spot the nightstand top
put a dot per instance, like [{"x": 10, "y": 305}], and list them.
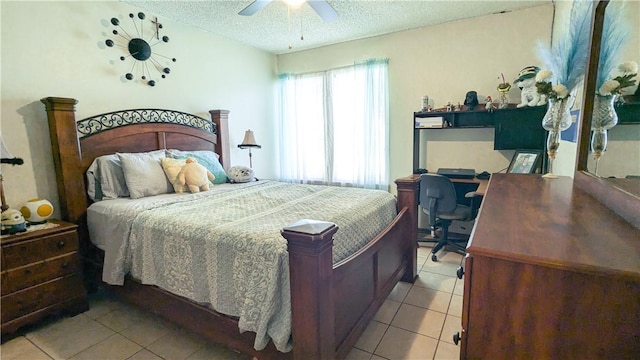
[{"x": 52, "y": 226}]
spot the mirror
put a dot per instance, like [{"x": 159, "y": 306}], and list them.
[
  {"x": 623, "y": 139},
  {"x": 620, "y": 195}
]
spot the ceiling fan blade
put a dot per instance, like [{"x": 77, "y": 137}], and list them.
[
  {"x": 254, "y": 7},
  {"x": 324, "y": 9}
]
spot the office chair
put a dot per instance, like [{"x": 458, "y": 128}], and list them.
[{"x": 439, "y": 201}]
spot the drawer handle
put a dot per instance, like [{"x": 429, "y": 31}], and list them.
[
  {"x": 60, "y": 244},
  {"x": 27, "y": 272},
  {"x": 65, "y": 265},
  {"x": 460, "y": 272},
  {"x": 456, "y": 337}
]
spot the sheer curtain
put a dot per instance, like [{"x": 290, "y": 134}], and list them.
[{"x": 334, "y": 126}]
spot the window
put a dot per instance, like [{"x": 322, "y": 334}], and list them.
[{"x": 334, "y": 126}]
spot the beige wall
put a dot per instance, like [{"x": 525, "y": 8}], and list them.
[
  {"x": 443, "y": 61},
  {"x": 57, "y": 49},
  {"x": 64, "y": 56}
]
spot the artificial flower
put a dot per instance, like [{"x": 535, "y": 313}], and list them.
[
  {"x": 544, "y": 76},
  {"x": 544, "y": 86},
  {"x": 614, "y": 86},
  {"x": 628, "y": 67},
  {"x": 565, "y": 61},
  {"x": 560, "y": 90}
]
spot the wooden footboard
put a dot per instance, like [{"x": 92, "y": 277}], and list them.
[{"x": 331, "y": 304}]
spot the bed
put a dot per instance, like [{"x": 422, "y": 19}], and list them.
[{"x": 332, "y": 295}]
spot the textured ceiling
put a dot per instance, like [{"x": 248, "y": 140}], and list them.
[{"x": 271, "y": 29}]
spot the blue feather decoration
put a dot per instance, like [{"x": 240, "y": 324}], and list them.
[
  {"x": 614, "y": 35},
  {"x": 567, "y": 58}
]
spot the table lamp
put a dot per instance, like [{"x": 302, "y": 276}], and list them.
[
  {"x": 6, "y": 158},
  {"x": 248, "y": 143}
]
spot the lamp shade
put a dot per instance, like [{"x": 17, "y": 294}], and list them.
[{"x": 249, "y": 140}]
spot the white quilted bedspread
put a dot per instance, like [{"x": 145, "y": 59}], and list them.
[{"x": 223, "y": 247}]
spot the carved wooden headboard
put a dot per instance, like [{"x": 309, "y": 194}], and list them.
[{"x": 75, "y": 144}]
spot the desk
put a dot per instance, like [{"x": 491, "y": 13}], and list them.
[{"x": 482, "y": 184}]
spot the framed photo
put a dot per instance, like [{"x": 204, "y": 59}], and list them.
[{"x": 524, "y": 162}]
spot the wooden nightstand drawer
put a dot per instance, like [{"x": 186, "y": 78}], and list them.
[
  {"x": 36, "y": 273},
  {"x": 26, "y": 301},
  {"x": 38, "y": 249}
]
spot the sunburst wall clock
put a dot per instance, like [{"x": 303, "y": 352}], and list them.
[{"x": 139, "y": 45}]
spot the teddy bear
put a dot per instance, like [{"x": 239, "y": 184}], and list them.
[
  {"x": 195, "y": 176},
  {"x": 526, "y": 81}
]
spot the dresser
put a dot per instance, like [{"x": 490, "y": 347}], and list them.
[
  {"x": 550, "y": 273},
  {"x": 41, "y": 275}
]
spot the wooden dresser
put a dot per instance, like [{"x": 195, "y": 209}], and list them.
[
  {"x": 41, "y": 275},
  {"x": 550, "y": 273}
]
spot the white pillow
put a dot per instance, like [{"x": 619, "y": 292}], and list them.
[
  {"x": 144, "y": 175},
  {"x": 105, "y": 177}
]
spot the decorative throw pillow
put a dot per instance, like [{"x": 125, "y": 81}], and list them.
[
  {"x": 208, "y": 159},
  {"x": 172, "y": 168},
  {"x": 241, "y": 174},
  {"x": 144, "y": 175}
]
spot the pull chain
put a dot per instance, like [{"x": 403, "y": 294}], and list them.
[{"x": 289, "y": 21}]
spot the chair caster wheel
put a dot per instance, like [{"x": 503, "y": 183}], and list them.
[{"x": 434, "y": 257}]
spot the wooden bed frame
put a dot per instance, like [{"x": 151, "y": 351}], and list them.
[{"x": 331, "y": 304}]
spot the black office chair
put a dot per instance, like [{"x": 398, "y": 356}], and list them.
[{"x": 439, "y": 201}]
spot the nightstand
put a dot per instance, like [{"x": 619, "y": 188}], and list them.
[{"x": 41, "y": 275}]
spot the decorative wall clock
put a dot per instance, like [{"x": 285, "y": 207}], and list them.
[{"x": 146, "y": 62}]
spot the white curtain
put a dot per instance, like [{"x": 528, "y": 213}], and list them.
[{"x": 334, "y": 126}]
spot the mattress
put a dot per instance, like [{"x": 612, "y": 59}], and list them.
[{"x": 223, "y": 247}]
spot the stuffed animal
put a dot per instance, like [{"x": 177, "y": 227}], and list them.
[
  {"x": 240, "y": 174},
  {"x": 195, "y": 176},
  {"x": 526, "y": 81},
  {"x": 13, "y": 222}
]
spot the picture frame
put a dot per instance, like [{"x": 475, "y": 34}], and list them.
[{"x": 524, "y": 162}]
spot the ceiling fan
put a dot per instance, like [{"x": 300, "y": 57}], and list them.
[{"x": 322, "y": 7}]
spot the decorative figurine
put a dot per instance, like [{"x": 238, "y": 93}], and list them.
[
  {"x": 503, "y": 89},
  {"x": 13, "y": 222},
  {"x": 425, "y": 103},
  {"x": 449, "y": 107},
  {"x": 457, "y": 107},
  {"x": 489, "y": 105},
  {"x": 526, "y": 81},
  {"x": 471, "y": 99}
]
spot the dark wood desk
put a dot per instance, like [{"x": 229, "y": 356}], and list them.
[
  {"x": 482, "y": 184},
  {"x": 550, "y": 273}
]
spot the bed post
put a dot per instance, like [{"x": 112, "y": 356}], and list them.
[
  {"x": 223, "y": 148},
  {"x": 408, "y": 195},
  {"x": 312, "y": 306},
  {"x": 66, "y": 157}
]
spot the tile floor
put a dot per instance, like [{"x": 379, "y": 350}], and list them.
[{"x": 417, "y": 321}]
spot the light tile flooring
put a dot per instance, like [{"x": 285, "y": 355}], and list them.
[{"x": 417, "y": 321}]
